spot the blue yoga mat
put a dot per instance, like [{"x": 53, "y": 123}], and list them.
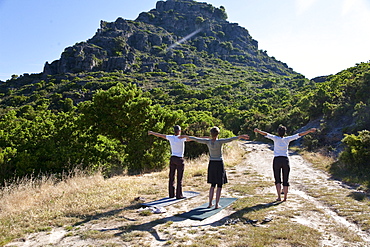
[
  {"x": 202, "y": 212},
  {"x": 168, "y": 201}
]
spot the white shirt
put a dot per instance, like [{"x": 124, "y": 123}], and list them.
[
  {"x": 281, "y": 143},
  {"x": 177, "y": 145}
]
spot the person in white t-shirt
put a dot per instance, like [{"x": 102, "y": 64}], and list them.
[
  {"x": 176, "y": 161},
  {"x": 281, "y": 160}
]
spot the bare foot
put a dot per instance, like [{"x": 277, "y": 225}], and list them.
[
  {"x": 278, "y": 199},
  {"x": 218, "y": 206},
  {"x": 210, "y": 205}
]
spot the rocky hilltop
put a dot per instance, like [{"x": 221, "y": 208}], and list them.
[{"x": 145, "y": 44}]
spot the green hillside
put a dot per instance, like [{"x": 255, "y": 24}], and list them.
[{"x": 92, "y": 108}]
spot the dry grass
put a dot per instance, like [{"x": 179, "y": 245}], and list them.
[
  {"x": 34, "y": 205},
  {"x": 318, "y": 160},
  {"x": 40, "y": 205},
  {"x": 350, "y": 205}
]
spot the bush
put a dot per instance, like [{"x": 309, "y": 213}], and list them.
[
  {"x": 199, "y": 20},
  {"x": 357, "y": 151}
]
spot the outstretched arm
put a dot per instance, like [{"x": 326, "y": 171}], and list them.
[
  {"x": 188, "y": 137},
  {"x": 185, "y": 136},
  {"x": 157, "y": 134},
  {"x": 197, "y": 139},
  {"x": 243, "y": 137},
  {"x": 307, "y": 132},
  {"x": 261, "y": 132}
]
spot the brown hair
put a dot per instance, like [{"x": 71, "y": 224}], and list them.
[
  {"x": 215, "y": 131},
  {"x": 281, "y": 131}
]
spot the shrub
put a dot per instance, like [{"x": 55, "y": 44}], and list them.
[
  {"x": 199, "y": 20},
  {"x": 357, "y": 150}
]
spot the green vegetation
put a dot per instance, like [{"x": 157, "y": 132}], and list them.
[
  {"x": 357, "y": 150},
  {"x": 353, "y": 163},
  {"x": 94, "y": 119},
  {"x": 100, "y": 119}
]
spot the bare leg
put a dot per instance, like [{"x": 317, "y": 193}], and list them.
[
  {"x": 278, "y": 190},
  {"x": 211, "y": 192},
  {"x": 218, "y": 195},
  {"x": 285, "y": 189}
]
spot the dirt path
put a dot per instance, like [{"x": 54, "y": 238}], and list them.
[{"x": 303, "y": 179}]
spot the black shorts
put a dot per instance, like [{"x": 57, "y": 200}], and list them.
[{"x": 216, "y": 172}]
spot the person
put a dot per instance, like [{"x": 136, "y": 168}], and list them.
[
  {"x": 176, "y": 161},
  {"x": 281, "y": 160},
  {"x": 216, "y": 172}
]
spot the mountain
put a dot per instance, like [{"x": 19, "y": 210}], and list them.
[
  {"x": 145, "y": 44},
  {"x": 180, "y": 63}
]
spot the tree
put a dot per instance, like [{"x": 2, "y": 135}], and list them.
[{"x": 125, "y": 113}]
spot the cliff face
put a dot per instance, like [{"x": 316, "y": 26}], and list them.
[
  {"x": 115, "y": 46},
  {"x": 147, "y": 44},
  {"x": 183, "y": 17}
]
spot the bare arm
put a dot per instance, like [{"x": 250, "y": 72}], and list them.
[
  {"x": 157, "y": 134},
  {"x": 307, "y": 132},
  {"x": 244, "y": 137},
  {"x": 261, "y": 132},
  {"x": 185, "y": 136},
  {"x": 189, "y": 140}
]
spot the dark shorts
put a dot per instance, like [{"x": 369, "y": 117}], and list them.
[{"x": 216, "y": 172}]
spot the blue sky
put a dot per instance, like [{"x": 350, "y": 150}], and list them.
[{"x": 314, "y": 37}]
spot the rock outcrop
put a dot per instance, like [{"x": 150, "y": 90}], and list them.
[{"x": 144, "y": 45}]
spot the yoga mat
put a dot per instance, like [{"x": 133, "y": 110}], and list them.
[
  {"x": 168, "y": 201},
  {"x": 202, "y": 212}
]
